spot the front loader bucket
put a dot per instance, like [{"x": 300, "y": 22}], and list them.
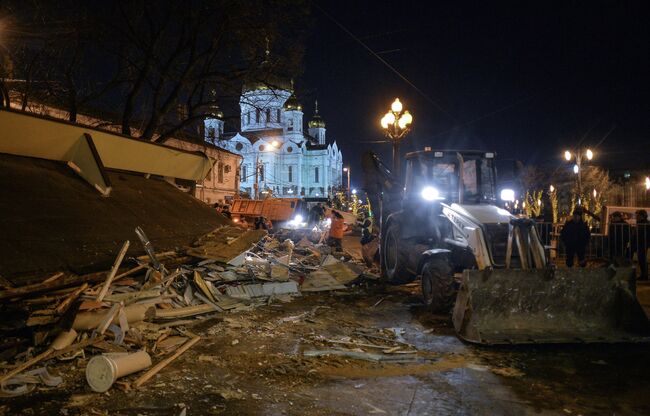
[{"x": 515, "y": 306}]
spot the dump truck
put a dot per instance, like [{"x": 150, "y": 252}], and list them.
[
  {"x": 276, "y": 210},
  {"x": 488, "y": 267}
]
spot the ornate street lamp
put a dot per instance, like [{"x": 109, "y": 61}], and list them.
[
  {"x": 577, "y": 167},
  {"x": 347, "y": 170},
  {"x": 396, "y": 124}
]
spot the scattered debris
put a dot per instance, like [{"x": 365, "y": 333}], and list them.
[{"x": 141, "y": 307}]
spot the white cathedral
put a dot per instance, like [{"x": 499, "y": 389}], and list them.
[{"x": 290, "y": 163}]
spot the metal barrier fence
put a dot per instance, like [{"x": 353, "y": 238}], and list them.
[{"x": 622, "y": 242}]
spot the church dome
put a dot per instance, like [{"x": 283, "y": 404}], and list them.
[
  {"x": 316, "y": 121},
  {"x": 267, "y": 82},
  {"x": 216, "y": 112},
  {"x": 292, "y": 103}
]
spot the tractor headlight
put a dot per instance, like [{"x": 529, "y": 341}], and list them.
[
  {"x": 508, "y": 195},
  {"x": 429, "y": 193}
]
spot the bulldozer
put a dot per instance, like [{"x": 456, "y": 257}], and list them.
[{"x": 488, "y": 267}]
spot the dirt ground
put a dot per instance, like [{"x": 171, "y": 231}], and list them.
[{"x": 253, "y": 363}]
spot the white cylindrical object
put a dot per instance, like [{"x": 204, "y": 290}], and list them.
[{"x": 103, "y": 370}]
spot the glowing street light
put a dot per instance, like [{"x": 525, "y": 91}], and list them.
[
  {"x": 396, "y": 107},
  {"x": 347, "y": 170},
  {"x": 577, "y": 167},
  {"x": 259, "y": 166},
  {"x": 647, "y": 183},
  {"x": 396, "y": 124}
]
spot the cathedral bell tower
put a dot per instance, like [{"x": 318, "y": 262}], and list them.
[
  {"x": 213, "y": 125},
  {"x": 317, "y": 127},
  {"x": 292, "y": 118}
]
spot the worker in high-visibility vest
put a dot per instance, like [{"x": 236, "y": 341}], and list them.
[{"x": 337, "y": 228}]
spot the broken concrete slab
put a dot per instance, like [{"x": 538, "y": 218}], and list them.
[{"x": 320, "y": 280}]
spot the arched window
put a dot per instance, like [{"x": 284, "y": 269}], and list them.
[
  {"x": 248, "y": 118},
  {"x": 262, "y": 173},
  {"x": 290, "y": 173},
  {"x": 268, "y": 115},
  {"x": 244, "y": 173},
  {"x": 316, "y": 175},
  {"x": 279, "y": 115},
  {"x": 257, "y": 115}
]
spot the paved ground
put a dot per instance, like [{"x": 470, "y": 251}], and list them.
[{"x": 251, "y": 363}]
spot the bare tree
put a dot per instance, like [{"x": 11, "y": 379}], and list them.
[{"x": 145, "y": 60}]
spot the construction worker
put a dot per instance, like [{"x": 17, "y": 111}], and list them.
[
  {"x": 369, "y": 243},
  {"x": 575, "y": 236},
  {"x": 316, "y": 214},
  {"x": 640, "y": 243},
  {"x": 225, "y": 211},
  {"x": 261, "y": 223},
  {"x": 336, "y": 230}
]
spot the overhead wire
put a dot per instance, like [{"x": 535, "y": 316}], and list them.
[
  {"x": 412, "y": 85},
  {"x": 386, "y": 63}
]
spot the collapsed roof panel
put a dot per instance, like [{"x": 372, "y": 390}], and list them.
[{"x": 36, "y": 136}]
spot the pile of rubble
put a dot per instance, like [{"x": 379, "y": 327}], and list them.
[{"x": 124, "y": 317}]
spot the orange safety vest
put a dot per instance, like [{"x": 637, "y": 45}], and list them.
[{"x": 336, "y": 229}]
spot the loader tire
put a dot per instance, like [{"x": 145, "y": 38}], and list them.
[
  {"x": 438, "y": 288},
  {"x": 395, "y": 258}
]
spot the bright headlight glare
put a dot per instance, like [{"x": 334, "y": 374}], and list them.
[
  {"x": 430, "y": 193},
  {"x": 297, "y": 219},
  {"x": 508, "y": 195}
]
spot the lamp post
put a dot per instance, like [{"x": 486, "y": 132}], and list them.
[
  {"x": 577, "y": 167},
  {"x": 396, "y": 124},
  {"x": 347, "y": 170},
  {"x": 259, "y": 166}
]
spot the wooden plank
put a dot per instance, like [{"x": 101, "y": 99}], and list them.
[
  {"x": 63, "y": 306},
  {"x": 81, "y": 344},
  {"x": 60, "y": 283},
  {"x": 184, "y": 312},
  {"x": 53, "y": 278},
  {"x": 158, "y": 255},
  {"x": 164, "y": 363},
  {"x": 24, "y": 366},
  {"x": 111, "y": 275}
]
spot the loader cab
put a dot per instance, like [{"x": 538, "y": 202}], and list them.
[{"x": 450, "y": 176}]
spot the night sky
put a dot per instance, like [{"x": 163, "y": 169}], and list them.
[{"x": 524, "y": 80}]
